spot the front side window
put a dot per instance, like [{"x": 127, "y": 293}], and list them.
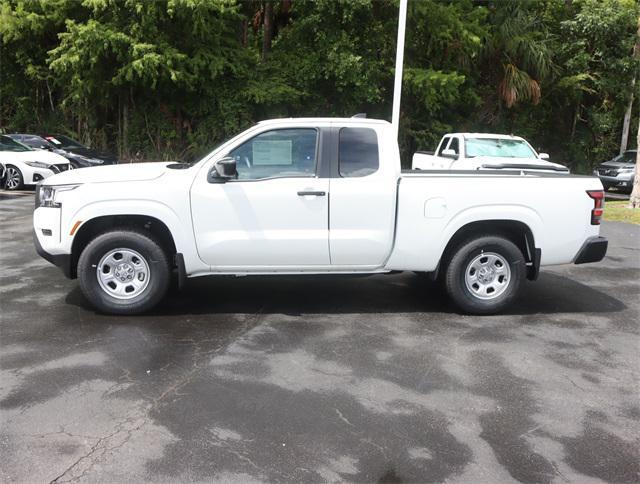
[
  {"x": 358, "y": 152},
  {"x": 277, "y": 153}
]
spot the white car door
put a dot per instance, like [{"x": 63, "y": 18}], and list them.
[
  {"x": 275, "y": 215},
  {"x": 363, "y": 199}
]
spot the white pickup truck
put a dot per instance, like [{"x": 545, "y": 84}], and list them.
[
  {"x": 301, "y": 196},
  {"x": 483, "y": 151}
]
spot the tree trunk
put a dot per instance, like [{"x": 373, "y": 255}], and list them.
[
  {"x": 125, "y": 127},
  {"x": 244, "y": 32},
  {"x": 627, "y": 119},
  {"x": 267, "y": 29},
  {"x": 634, "y": 201}
]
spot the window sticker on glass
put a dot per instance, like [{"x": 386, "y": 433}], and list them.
[
  {"x": 272, "y": 152},
  {"x": 53, "y": 140}
]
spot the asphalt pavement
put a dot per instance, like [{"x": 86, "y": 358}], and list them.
[{"x": 316, "y": 379}]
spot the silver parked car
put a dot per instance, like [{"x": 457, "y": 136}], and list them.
[{"x": 618, "y": 172}]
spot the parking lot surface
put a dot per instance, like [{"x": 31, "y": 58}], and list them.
[{"x": 371, "y": 379}]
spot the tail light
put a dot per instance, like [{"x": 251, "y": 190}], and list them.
[{"x": 598, "y": 205}]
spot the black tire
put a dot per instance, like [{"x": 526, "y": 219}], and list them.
[
  {"x": 159, "y": 274},
  {"x": 13, "y": 171},
  {"x": 464, "y": 255}
]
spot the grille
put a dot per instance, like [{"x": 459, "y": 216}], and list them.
[
  {"x": 608, "y": 172},
  {"x": 59, "y": 168}
]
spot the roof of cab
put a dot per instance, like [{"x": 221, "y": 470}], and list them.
[
  {"x": 325, "y": 120},
  {"x": 485, "y": 135}
]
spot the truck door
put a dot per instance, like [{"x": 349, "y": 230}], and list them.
[
  {"x": 363, "y": 199},
  {"x": 275, "y": 214}
]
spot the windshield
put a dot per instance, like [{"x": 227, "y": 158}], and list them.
[
  {"x": 7, "y": 144},
  {"x": 60, "y": 141},
  {"x": 626, "y": 157},
  {"x": 501, "y": 148},
  {"x": 36, "y": 142}
]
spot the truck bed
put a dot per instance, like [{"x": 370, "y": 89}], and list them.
[{"x": 433, "y": 205}]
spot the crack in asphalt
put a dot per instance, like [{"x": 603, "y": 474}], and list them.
[{"x": 102, "y": 448}]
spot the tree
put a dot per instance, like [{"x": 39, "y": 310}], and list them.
[{"x": 627, "y": 115}]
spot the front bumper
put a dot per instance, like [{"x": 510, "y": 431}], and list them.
[
  {"x": 623, "y": 180},
  {"x": 63, "y": 261},
  {"x": 593, "y": 250}
]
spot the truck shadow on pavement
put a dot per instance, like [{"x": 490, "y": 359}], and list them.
[{"x": 401, "y": 293}]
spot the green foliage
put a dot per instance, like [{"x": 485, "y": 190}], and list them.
[{"x": 169, "y": 79}]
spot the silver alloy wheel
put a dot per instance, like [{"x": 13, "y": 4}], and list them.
[
  {"x": 123, "y": 273},
  {"x": 487, "y": 276},
  {"x": 13, "y": 178}
]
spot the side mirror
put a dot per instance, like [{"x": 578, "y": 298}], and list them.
[
  {"x": 449, "y": 154},
  {"x": 223, "y": 171},
  {"x": 543, "y": 156}
]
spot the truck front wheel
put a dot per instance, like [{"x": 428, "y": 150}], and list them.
[
  {"x": 484, "y": 274},
  {"x": 123, "y": 272}
]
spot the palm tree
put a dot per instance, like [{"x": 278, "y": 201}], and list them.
[{"x": 517, "y": 55}]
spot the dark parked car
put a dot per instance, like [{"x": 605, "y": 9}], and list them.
[
  {"x": 618, "y": 172},
  {"x": 78, "y": 155}
]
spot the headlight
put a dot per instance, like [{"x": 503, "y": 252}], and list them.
[
  {"x": 626, "y": 169},
  {"x": 37, "y": 164},
  {"x": 46, "y": 195}
]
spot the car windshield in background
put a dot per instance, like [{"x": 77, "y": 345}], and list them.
[
  {"x": 626, "y": 157},
  {"x": 60, "y": 141},
  {"x": 501, "y": 148},
  {"x": 7, "y": 144},
  {"x": 36, "y": 142}
]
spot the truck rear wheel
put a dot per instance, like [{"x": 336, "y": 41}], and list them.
[
  {"x": 123, "y": 272},
  {"x": 484, "y": 274}
]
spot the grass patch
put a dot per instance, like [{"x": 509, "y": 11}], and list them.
[{"x": 617, "y": 211}]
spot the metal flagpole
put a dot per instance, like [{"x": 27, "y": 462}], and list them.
[{"x": 397, "y": 84}]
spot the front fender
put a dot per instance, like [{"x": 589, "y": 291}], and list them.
[{"x": 178, "y": 223}]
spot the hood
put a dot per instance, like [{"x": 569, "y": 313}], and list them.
[
  {"x": 497, "y": 162},
  {"x": 110, "y": 173},
  {"x": 617, "y": 164},
  {"x": 43, "y": 156}
]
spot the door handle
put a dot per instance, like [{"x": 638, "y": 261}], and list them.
[{"x": 312, "y": 193}]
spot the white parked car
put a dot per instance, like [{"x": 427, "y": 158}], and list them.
[
  {"x": 481, "y": 151},
  {"x": 27, "y": 166},
  {"x": 312, "y": 196}
]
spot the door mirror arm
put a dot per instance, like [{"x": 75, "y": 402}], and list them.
[{"x": 223, "y": 170}]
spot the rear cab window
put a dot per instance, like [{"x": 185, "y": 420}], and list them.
[{"x": 358, "y": 153}]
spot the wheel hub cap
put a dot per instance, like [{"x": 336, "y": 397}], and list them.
[
  {"x": 123, "y": 273},
  {"x": 487, "y": 276}
]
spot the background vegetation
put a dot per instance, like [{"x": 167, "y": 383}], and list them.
[{"x": 168, "y": 79}]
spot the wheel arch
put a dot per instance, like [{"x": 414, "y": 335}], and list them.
[
  {"x": 515, "y": 231},
  {"x": 98, "y": 225}
]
